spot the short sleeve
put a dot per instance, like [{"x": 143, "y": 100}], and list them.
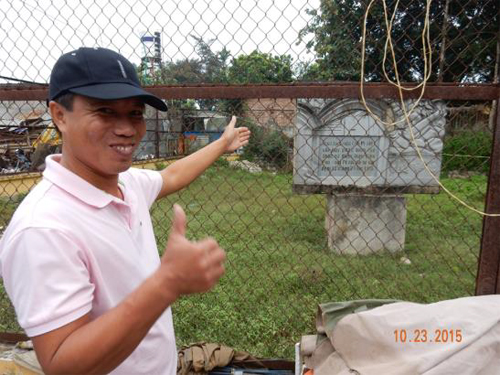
[
  {"x": 46, "y": 277},
  {"x": 149, "y": 182}
]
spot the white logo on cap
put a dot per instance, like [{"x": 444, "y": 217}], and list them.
[{"x": 122, "y": 69}]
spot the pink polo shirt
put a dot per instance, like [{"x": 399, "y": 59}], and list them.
[{"x": 72, "y": 248}]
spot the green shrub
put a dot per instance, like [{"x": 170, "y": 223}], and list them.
[
  {"x": 268, "y": 147},
  {"x": 467, "y": 151},
  {"x": 221, "y": 163},
  {"x": 160, "y": 166}
]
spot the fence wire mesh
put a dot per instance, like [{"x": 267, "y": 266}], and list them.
[
  {"x": 251, "y": 41},
  {"x": 281, "y": 259},
  {"x": 292, "y": 240}
]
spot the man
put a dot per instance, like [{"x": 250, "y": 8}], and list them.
[{"x": 79, "y": 258}]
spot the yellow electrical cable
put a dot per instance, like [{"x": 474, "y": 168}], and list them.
[
  {"x": 427, "y": 72},
  {"x": 426, "y": 76},
  {"x": 389, "y": 40}
]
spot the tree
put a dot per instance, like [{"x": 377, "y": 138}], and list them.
[
  {"x": 182, "y": 71},
  {"x": 473, "y": 33},
  {"x": 468, "y": 40},
  {"x": 210, "y": 67},
  {"x": 259, "y": 67},
  {"x": 214, "y": 64},
  {"x": 336, "y": 33},
  {"x": 214, "y": 67}
]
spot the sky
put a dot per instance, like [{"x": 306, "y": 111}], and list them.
[{"x": 35, "y": 33}]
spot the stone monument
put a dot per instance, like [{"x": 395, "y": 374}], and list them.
[{"x": 364, "y": 164}]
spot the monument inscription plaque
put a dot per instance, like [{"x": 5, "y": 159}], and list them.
[
  {"x": 363, "y": 162},
  {"x": 355, "y": 156},
  {"x": 338, "y": 144}
]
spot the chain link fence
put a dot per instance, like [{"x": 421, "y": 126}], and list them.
[{"x": 325, "y": 203}]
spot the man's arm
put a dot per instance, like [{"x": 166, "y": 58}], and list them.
[
  {"x": 184, "y": 171},
  {"x": 98, "y": 346}
]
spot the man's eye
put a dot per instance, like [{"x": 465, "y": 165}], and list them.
[
  {"x": 104, "y": 110},
  {"x": 137, "y": 114}
]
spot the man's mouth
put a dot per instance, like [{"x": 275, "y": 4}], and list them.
[{"x": 125, "y": 150}]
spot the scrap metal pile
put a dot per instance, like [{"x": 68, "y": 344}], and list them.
[{"x": 20, "y": 137}]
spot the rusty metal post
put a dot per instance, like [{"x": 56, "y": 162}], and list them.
[{"x": 488, "y": 276}]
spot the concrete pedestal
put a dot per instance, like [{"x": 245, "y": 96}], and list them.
[{"x": 365, "y": 224}]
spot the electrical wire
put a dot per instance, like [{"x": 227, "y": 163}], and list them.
[{"x": 426, "y": 76}]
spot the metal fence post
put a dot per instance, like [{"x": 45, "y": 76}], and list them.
[{"x": 489, "y": 257}]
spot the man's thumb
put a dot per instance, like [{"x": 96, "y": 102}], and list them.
[
  {"x": 232, "y": 123},
  {"x": 179, "y": 221}
]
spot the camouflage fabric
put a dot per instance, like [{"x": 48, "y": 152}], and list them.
[{"x": 200, "y": 358}]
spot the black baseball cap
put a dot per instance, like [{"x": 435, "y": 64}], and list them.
[{"x": 98, "y": 73}]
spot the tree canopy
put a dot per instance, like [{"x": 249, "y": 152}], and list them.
[
  {"x": 218, "y": 67},
  {"x": 259, "y": 67},
  {"x": 463, "y": 33}
]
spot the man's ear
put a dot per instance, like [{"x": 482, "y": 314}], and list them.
[{"x": 58, "y": 114}]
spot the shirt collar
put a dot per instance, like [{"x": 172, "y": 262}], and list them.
[{"x": 75, "y": 185}]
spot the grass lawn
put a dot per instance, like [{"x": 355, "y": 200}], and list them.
[{"x": 279, "y": 266}]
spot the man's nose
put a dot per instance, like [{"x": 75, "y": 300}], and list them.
[{"x": 125, "y": 127}]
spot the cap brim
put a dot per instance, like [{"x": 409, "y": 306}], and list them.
[{"x": 114, "y": 91}]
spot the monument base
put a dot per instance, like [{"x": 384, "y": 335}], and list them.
[{"x": 365, "y": 224}]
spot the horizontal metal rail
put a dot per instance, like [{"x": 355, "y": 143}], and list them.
[{"x": 451, "y": 91}]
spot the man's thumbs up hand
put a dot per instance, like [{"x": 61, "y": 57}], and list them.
[
  {"x": 190, "y": 267},
  {"x": 179, "y": 221}
]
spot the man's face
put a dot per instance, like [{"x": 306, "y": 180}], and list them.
[{"x": 100, "y": 136}]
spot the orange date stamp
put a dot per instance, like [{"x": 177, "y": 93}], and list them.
[{"x": 439, "y": 335}]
